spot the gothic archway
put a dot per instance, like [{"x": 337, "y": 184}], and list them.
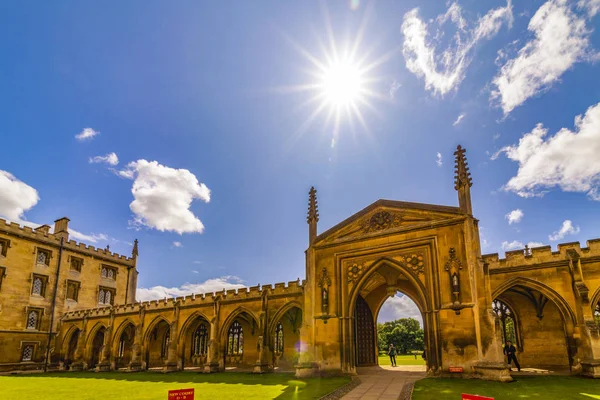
[
  {"x": 97, "y": 347},
  {"x": 194, "y": 341}
]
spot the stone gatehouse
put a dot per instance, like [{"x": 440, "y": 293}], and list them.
[{"x": 546, "y": 301}]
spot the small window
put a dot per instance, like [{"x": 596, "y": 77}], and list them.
[
  {"x": 38, "y": 285},
  {"x": 27, "y": 354},
  {"x": 106, "y": 296},
  {"x": 72, "y": 290},
  {"x": 279, "y": 339},
  {"x": 4, "y": 245},
  {"x": 2, "y": 275},
  {"x": 33, "y": 319},
  {"x": 108, "y": 272},
  {"x": 43, "y": 257},
  {"x": 76, "y": 264}
]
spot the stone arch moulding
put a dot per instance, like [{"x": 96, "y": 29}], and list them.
[
  {"x": 64, "y": 344},
  {"x": 595, "y": 299},
  {"x": 93, "y": 332},
  {"x": 190, "y": 321},
  {"x": 280, "y": 313},
  {"x": 224, "y": 329},
  {"x": 119, "y": 331},
  {"x": 565, "y": 310},
  {"x": 421, "y": 300},
  {"x": 153, "y": 325}
]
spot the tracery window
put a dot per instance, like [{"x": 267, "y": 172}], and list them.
[
  {"x": 33, "y": 319},
  {"x": 236, "y": 339},
  {"x": 279, "y": 338},
  {"x": 200, "y": 341},
  {"x": 164, "y": 350},
  {"x": 27, "y": 354},
  {"x": 106, "y": 296},
  {"x": 38, "y": 285},
  {"x": 43, "y": 257},
  {"x": 108, "y": 272},
  {"x": 597, "y": 313},
  {"x": 507, "y": 321},
  {"x": 122, "y": 343}
]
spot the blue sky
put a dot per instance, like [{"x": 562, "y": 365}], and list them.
[{"x": 207, "y": 109}]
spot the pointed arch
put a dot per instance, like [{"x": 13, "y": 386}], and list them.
[
  {"x": 595, "y": 299},
  {"x": 280, "y": 313},
  {"x": 119, "y": 331},
  {"x": 190, "y": 321},
  {"x": 421, "y": 300},
  {"x": 93, "y": 332},
  {"x": 67, "y": 337},
  {"x": 565, "y": 310},
  {"x": 153, "y": 325},
  {"x": 236, "y": 314}
]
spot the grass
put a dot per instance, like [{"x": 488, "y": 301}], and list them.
[
  {"x": 402, "y": 360},
  {"x": 150, "y": 386},
  {"x": 525, "y": 387}
]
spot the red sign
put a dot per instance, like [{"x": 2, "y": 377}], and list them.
[
  {"x": 455, "y": 369},
  {"x": 475, "y": 397},
  {"x": 181, "y": 394}
]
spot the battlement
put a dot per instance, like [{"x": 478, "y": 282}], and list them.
[
  {"x": 50, "y": 239},
  {"x": 255, "y": 292},
  {"x": 543, "y": 254}
]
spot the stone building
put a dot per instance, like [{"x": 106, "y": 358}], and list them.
[
  {"x": 544, "y": 300},
  {"x": 35, "y": 293}
]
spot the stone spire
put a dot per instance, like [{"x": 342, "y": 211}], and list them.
[
  {"x": 463, "y": 181},
  {"x": 313, "y": 215},
  {"x": 134, "y": 252}
]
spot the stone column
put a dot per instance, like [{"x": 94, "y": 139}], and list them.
[
  {"x": 212, "y": 361},
  {"x": 171, "y": 363},
  {"x": 136, "y": 363},
  {"x": 79, "y": 363},
  {"x": 263, "y": 362}
]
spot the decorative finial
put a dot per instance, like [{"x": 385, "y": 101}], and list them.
[
  {"x": 313, "y": 209},
  {"x": 462, "y": 175},
  {"x": 107, "y": 247},
  {"x": 134, "y": 252}
]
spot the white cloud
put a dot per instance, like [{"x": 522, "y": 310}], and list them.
[
  {"x": 197, "y": 262},
  {"x": 16, "y": 197},
  {"x": 561, "y": 40},
  {"x": 399, "y": 306},
  {"x": 535, "y": 244},
  {"x": 195, "y": 271},
  {"x": 438, "y": 159},
  {"x": 443, "y": 71},
  {"x": 514, "y": 245},
  {"x": 460, "y": 117},
  {"x": 568, "y": 159},
  {"x": 514, "y": 216},
  {"x": 591, "y": 6},
  {"x": 394, "y": 88},
  {"x": 86, "y": 133},
  {"x": 567, "y": 228},
  {"x": 93, "y": 238},
  {"x": 177, "y": 244},
  {"x": 163, "y": 196},
  {"x": 110, "y": 158},
  {"x": 496, "y": 136},
  {"x": 208, "y": 286}
]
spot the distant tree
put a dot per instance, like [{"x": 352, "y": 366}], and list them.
[{"x": 405, "y": 333}]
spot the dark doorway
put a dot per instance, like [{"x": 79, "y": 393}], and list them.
[
  {"x": 97, "y": 345},
  {"x": 364, "y": 333}
]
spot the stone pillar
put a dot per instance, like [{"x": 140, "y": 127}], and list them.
[
  {"x": 104, "y": 364},
  {"x": 136, "y": 363},
  {"x": 171, "y": 364},
  {"x": 79, "y": 362},
  {"x": 212, "y": 361}
]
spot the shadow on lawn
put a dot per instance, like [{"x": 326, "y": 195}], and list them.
[{"x": 294, "y": 388}]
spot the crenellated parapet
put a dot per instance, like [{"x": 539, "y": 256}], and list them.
[
  {"x": 293, "y": 288},
  {"x": 44, "y": 237},
  {"x": 544, "y": 256}
]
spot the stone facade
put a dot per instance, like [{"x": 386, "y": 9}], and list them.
[
  {"x": 35, "y": 294},
  {"x": 326, "y": 324}
]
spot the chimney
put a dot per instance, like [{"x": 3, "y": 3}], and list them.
[
  {"x": 43, "y": 229},
  {"x": 61, "y": 228}
]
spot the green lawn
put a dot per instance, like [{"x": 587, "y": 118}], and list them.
[
  {"x": 402, "y": 360},
  {"x": 525, "y": 387},
  {"x": 149, "y": 385}
]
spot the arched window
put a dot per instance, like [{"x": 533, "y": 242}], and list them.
[
  {"x": 507, "y": 320},
  {"x": 38, "y": 285},
  {"x": 200, "y": 341},
  {"x": 123, "y": 343},
  {"x": 236, "y": 339},
  {"x": 32, "y": 319},
  {"x": 279, "y": 338},
  {"x": 164, "y": 350},
  {"x": 597, "y": 313}
]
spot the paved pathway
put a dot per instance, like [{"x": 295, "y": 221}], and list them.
[{"x": 385, "y": 382}]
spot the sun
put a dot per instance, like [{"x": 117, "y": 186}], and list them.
[{"x": 343, "y": 84}]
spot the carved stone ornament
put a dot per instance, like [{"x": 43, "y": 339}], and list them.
[
  {"x": 453, "y": 265},
  {"x": 324, "y": 284},
  {"x": 415, "y": 262},
  {"x": 381, "y": 221},
  {"x": 355, "y": 270}
]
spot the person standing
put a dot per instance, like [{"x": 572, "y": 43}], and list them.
[
  {"x": 511, "y": 354},
  {"x": 392, "y": 354}
]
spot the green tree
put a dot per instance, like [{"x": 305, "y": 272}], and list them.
[{"x": 404, "y": 333}]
